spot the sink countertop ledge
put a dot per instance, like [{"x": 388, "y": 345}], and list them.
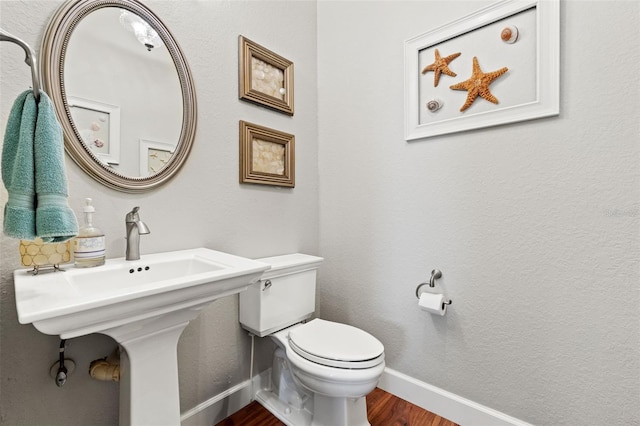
[{"x": 80, "y": 301}]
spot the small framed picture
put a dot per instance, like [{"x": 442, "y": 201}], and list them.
[
  {"x": 267, "y": 156},
  {"x": 154, "y": 156},
  {"x": 265, "y": 77},
  {"x": 98, "y": 126}
]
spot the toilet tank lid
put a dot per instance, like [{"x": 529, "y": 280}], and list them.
[{"x": 289, "y": 263}]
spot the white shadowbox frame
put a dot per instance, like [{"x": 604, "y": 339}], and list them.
[
  {"x": 97, "y": 125},
  {"x": 529, "y": 90}
]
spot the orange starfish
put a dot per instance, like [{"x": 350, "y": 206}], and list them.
[
  {"x": 478, "y": 84},
  {"x": 441, "y": 65}
]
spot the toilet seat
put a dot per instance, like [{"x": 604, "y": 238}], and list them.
[{"x": 336, "y": 345}]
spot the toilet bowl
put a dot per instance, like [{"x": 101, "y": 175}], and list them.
[{"x": 322, "y": 370}]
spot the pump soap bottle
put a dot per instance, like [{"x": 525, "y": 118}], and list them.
[{"x": 89, "y": 245}]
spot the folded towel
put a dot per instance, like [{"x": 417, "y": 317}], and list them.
[
  {"x": 33, "y": 172},
  {"x": 55, "y": 221}
]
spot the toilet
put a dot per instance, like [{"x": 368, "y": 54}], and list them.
[{"x": 322, "y": 370}]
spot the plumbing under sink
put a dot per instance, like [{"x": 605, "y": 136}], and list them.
[{"x": 144, "y": 305}]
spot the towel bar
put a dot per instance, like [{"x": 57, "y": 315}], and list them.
[{"x": 30, "y": 59}]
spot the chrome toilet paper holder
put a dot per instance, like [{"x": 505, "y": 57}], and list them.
[{"x": 435, "y": 274}]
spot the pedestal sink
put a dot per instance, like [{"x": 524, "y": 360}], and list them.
[{"x": 144, "y": 305}]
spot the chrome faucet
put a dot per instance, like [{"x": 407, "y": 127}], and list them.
[{"x": 135, "y": 228}]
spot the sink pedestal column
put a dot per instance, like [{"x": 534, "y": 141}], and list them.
[{"x": 149, "y": 388}]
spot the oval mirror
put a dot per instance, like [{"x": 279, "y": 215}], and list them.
[{"x": 122, "y": 90}]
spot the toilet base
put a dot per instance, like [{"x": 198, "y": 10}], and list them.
[
  {"x": 293, "y": 402},
  {"x": 296, "y": 406},
  {"x": 339, "y": 411},
  {"x": 287, "y": 414},
  {"x": 331, "y": 411}
]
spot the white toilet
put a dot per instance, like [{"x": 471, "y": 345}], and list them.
[{"x": 322, "y": 370}]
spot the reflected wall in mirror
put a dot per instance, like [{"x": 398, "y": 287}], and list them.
[{"x": 118, "y": 80}]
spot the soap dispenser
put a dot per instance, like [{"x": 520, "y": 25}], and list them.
[{"x": 89, "y": 245}]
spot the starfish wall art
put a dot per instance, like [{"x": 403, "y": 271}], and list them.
[
  {"x": 441, "y": 66},
  {"x": 478, "y": 84},
  {"x": 506, "y": 53}
]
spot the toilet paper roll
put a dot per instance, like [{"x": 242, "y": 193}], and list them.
[{"x": 433, "y": 303}]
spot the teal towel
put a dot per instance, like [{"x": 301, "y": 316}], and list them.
[
  {"x": 33, "y": 171},
  {"x": 18, "y": 170}
]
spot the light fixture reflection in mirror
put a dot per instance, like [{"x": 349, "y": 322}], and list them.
[
  {"x": 142, "y": 30},
  {"x": 117, "y": 94}
]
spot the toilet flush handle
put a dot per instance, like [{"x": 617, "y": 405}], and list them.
[{"x": 267, "y": 284}]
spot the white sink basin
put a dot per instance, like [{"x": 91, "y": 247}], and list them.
[
  {"x": 144, "y": 305},
  {"x": 81, "y": 301}
]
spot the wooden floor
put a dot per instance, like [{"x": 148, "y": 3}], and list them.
[{"x": 383, "y": 409}]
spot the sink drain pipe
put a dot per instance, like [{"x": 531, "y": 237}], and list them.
[
  {"x": 107, "y": 369},
  {"x": 61, "y": 376}
]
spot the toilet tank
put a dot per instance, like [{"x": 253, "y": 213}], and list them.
[{"x": 284, "y": 295}]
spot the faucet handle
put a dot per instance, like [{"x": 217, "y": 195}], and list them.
[{"x": 132, "y": 216}]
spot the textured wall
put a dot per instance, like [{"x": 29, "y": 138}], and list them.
[
  {"x": 534, "y": 225},
  {"x": 202, "y": 206}
]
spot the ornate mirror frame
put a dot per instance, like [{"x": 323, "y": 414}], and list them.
[{"x": 52, "y": 58}]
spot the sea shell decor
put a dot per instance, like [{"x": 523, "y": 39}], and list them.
[
  {"x": 509, "y": 34},
  {"x": 434, "y": 105},
  {"x": 268, "y": 157},
  {"x": 267, "y": 79}
]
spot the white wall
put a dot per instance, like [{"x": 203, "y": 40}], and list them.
[
  {"x": 534, "y": 225},
  {"x": 204, "y": 205}
]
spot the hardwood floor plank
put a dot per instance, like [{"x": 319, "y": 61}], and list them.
[
  {"x": 383, "y": 409},
  {"x": 253, "y": 414}
]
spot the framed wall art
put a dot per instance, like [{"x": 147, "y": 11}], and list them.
[
  {"x": 98, "y": 126},
  {"x": 266, "y": 78},
  {"x": 154, "y": 156},
  {"x": 498, "y": 65},
  {"x": 267, "y": 156}
]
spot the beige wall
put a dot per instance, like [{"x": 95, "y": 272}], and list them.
[
  {"x": 535, "y": 226},
  {"x": 204, "y": 205}
]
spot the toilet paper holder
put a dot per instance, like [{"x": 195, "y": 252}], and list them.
[{"x": 435, "y": 274}]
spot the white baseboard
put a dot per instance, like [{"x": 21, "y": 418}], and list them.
[
  {"x": 223, "y": 405},
  {"x": 443, "y": 403},
  {"x": 431, "y": 398}
]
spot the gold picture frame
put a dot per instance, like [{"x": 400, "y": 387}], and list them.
[
  {"x": 265, "y": 78},
  {"x": 267, "y": 156}
]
